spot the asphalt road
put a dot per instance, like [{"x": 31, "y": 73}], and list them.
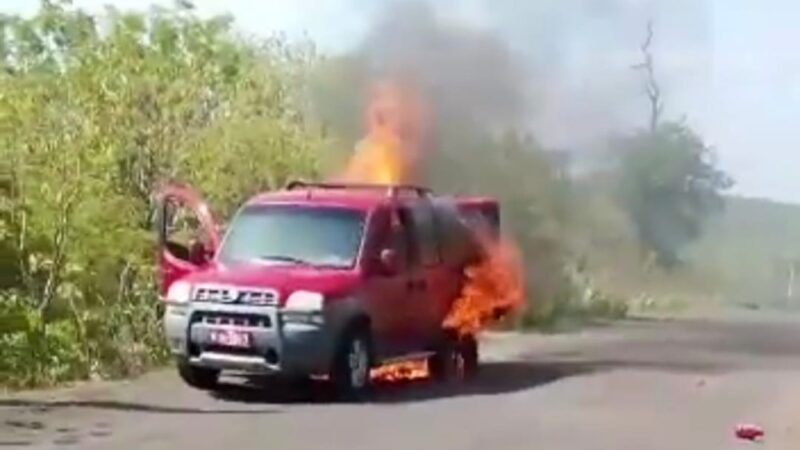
[{"x": 636, "y": 385}]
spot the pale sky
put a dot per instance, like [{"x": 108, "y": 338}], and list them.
[{"x": 732, "y": 67}]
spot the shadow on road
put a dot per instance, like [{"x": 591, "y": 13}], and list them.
[
  {"x": 494, "y": 379},
  {"x": 45, "y": 405},
  {"x": 508, "y": 377}
]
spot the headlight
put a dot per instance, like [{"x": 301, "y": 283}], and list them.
[
  {"x": 179, "y": 292},
  {"x": 305, "y": 302}
]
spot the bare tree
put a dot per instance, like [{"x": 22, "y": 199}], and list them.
[{"x": 652, "y": 88}]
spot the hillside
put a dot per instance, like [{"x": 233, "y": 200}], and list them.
[
  {"x": 743, "y": 258},
  {"x": 749, "y": 248}
]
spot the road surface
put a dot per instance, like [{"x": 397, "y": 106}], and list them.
[{"x": 635, "y": 385}]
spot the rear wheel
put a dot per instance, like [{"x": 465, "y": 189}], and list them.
[
  {"x": 351, "y": 365},
  {"x": 469, "y": 353},
  {"x": 198, "y": 377},
  {"x": 444, "y": 365},
  {"x": 455, "y": 359}
]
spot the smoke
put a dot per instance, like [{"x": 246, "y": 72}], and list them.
[
  {"x": 466, "y": 72},
  {"x": 559, "y": 68},
  {"x": 584, "y": 51}
]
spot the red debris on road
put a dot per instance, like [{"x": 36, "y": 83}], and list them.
[{"x": 750, "y": 432}]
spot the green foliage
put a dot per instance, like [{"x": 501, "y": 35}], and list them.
[
  {"x": 580, "y": 299},
  {"x": 91, "y": 120},
  {"x": 669, "y": 186}
]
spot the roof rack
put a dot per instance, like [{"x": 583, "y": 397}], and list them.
[{"x": 392, "y": 190}]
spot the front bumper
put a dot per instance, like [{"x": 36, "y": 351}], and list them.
[{"x": 278, "y": 345}]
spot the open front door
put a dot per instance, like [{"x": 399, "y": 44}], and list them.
[{"x": 187, "y": 234}]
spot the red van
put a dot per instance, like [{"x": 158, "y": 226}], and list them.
[{"x": 319, "y": 278}]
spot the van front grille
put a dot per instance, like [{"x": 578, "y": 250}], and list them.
[{"x": 232, "y": 320}]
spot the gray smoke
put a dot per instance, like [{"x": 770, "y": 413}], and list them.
[
  {"x": 464, "y": 71},
  {"x": 560, "y": 68}
]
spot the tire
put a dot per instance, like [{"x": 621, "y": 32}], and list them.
[
  {"x": 470, "y": 355},
  {"x": 455, "y": 360},
  {"x": 199, "y": 377},
  {"x": 351, "y": 366},
  {"x": 443, "y": 365}
]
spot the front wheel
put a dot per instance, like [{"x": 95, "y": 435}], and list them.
[
  {"x": 351, "y": 366},
  {"x": 198, "y": 377}
]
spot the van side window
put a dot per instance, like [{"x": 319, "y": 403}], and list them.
[
  {"x": 485, "y": 219},
  {"x": 407, "y": 233},
  {"x": 426, "y": 233},
  {"x": 453, "y": 234}
]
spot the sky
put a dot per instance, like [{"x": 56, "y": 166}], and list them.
[{"x": 730, "y": 67}]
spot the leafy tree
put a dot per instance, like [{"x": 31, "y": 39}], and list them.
[
  {"x": 669, "y": 187},
  {"x": 93, "y": 115}
]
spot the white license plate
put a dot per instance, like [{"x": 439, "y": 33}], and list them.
[{"x": 231, "y": 338}]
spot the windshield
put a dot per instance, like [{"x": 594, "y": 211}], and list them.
[{"x": 294, "y": 235}]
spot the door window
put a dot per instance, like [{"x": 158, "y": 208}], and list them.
[
  {"x": 186, "y": 229},
  {"x": 182, "y": 229},
  {"x": 404, "y": 239},
  {"x": 425, "y": 227}
]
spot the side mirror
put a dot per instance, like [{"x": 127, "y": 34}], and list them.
[{"x": 389, "y": 262}]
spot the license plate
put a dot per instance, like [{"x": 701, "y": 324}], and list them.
[{"x": 231, "y": 338}]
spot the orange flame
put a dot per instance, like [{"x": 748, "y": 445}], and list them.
[
  {"x": 493, "y": 288},
  {"x": 404, "y": 371},
  {"x": 395, "y": 124}
]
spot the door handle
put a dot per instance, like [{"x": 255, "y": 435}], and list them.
[{"x": 417, "y": 285}]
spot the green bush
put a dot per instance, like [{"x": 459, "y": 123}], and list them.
[{"x": 91, "y": 122}]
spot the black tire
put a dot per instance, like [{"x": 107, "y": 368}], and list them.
[
  {"x": 455, "y": 359},
  {"x": 470, "y": 355},
  {"x": 199, "y": 377},
  {"x": 443, "y": 364},
  {"x": 351, "y": 365}
]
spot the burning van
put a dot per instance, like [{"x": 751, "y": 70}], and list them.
[{"x": 325, "y": 279}]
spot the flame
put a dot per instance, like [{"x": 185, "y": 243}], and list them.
[
  {"x": 389, "y": 153},
  {"x": 403, "y": 371},
  {"x": 395, "y": 122},
  {"x": 493, "y": 288}
]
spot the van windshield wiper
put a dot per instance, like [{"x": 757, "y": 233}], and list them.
[{"x": 284, "y": 258}]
